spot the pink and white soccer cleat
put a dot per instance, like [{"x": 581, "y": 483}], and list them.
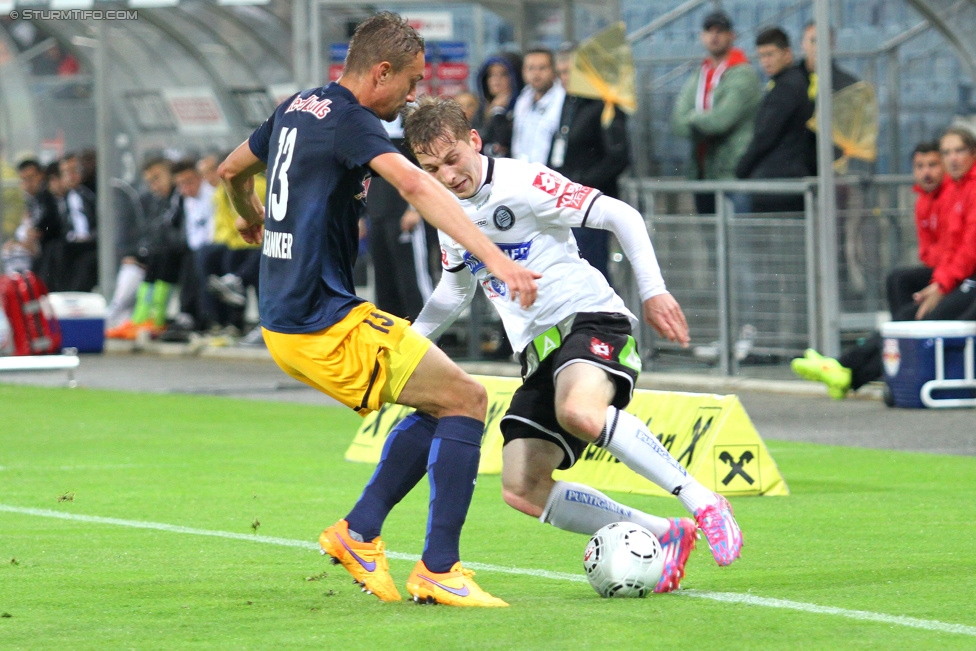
[
  {"x": 721, "y": 530},
  {"x": 677, "y": 544}
]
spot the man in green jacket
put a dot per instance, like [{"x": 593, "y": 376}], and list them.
[{"x": 716, "y": 109}]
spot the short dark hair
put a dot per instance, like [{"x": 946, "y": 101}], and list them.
[
  {"x": 541, "y": 50},
  {"x": 184, "y": 164},
  {"x": 967, "y": 137},
  {"x": 926, "y": 147},
  {"x": 384, "y": 37},
  {"x": 53, "y": 169},
  {"x": 157, "y": 160},
  {"x": 30, "y": 163},
  {"x": 432, "y": 119},
  {"x": 773, "y": 36},
  {"x": 812, "y": 23}
]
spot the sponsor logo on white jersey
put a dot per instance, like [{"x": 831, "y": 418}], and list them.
[
  {"x": 547, "y": 182},
  {"x": 573, "y": 196}
]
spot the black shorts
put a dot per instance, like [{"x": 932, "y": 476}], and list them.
[{"x": 601, "y": 339}]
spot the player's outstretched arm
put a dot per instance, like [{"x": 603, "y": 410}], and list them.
[
  {"x": 663, "y": 313},
  {"x": 237, "y": 172},
  {"x": 442, "y": 210},
  {"x": 661, "y": 310}
]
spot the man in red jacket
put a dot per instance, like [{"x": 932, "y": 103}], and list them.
[
  {"x": 952, "y": 281},
  {"x": 950, "y": 295},
  {"x": 931, "y": 188}
]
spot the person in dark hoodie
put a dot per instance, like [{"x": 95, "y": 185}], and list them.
[
  {"x": 499, "y": 83},
  {"x": 839, "y": 78},
  {"x": 45, "y": 220},
  {"x": 779, "y": 139}
]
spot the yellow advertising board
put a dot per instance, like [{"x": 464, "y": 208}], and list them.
[{"x": 710, "y": 435}]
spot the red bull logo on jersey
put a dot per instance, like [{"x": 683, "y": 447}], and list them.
[
  {"x": 311, "y": 104},
  {"x": 362, "y": 195}
]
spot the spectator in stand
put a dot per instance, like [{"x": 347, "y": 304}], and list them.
[
  {"x": 231, "y": 265},
  {"x": 931, "y": 188},
  {"x": 839, "y": 79},
  {"x": 469, "y": 104},
  {"x": 954, "y": 277},
  {"x": 716, "y": 108},
  {"x": 17, "y": 253},
  {"x": 950, "y": 295},
  {"x": 198, "y": 211},
  {"x": 585, "y": 151},
  {"x": 397, "y": 243},
  {"x": 56, "y": 187},
  {"x": 130, "y": 238},
  {"x": 852, "y": 261},
  {"x": 45, "y": 220},
  {"x": 89, "y": 169},
  {"x": 779, "y": 141},
  {"x": 164, "y": 248},
  {"x": 538, "y": 107},
  {"x": 500, "y": 82},
  {"x": 11, "y": 198},
  {"x": 80, "y": 246}
]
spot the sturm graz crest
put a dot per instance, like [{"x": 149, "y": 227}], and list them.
[{"x": 504, "y": 218}]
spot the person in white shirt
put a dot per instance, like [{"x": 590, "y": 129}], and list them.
[
  {"x": 538, "y": 107},
  {"x": 198, "y": 211},
  {"x": 579, "y": 358}
]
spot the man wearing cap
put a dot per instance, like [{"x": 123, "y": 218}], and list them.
[{"x": 716, "y": 109}]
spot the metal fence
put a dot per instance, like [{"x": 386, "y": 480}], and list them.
[{"x": 749, "y": 282}]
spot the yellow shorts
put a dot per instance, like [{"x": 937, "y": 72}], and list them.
[{"x": 362, "y": 361}]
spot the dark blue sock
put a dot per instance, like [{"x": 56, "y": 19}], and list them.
[
  {"x": 452, "y": 470},
  {"x": 403, "y": 464}
]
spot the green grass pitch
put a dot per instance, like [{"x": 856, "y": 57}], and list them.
[{"x": 876, "y": 532}]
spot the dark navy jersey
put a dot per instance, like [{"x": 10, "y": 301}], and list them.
[{"x": 317, "y": 145}]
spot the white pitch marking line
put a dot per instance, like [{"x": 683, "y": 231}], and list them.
[{"x": 726, "y": 597}]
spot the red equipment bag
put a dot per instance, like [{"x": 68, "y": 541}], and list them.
[{"x": 32, "y": 322}]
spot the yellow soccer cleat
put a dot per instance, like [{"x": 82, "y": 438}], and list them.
[
  {"x": 816, "y": 367},
  {"x": 454, "y": 588},
  {"x": 366, "y": 561}
]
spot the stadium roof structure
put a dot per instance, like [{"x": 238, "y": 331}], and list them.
[{"x": 235, "y": 52}]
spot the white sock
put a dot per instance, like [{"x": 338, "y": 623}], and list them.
[
  {"x": 582, "y": 509},
  {"x": 626, "y": 437}
]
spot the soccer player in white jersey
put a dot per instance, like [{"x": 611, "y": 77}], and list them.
[{"x": 579, "y": 359}]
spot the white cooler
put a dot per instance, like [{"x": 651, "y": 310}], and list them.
[{"x": 82, "y": 319}]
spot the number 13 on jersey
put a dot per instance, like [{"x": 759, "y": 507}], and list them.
[{"x": 279, "y": 172}]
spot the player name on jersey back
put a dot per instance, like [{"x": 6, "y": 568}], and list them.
[{"x": 277, "y": 245}]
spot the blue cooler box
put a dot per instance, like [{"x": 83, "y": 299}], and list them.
[
  {"x": 82, "y": 319},
  {"x": 930, "y": 363}
]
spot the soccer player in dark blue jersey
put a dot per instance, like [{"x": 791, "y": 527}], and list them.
[{"x": 320, "y": 147}]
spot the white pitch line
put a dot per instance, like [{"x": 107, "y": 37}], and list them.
[{"x": 726, "y": 597}]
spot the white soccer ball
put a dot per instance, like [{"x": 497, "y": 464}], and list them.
[{"x": 623, "y": 560}]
